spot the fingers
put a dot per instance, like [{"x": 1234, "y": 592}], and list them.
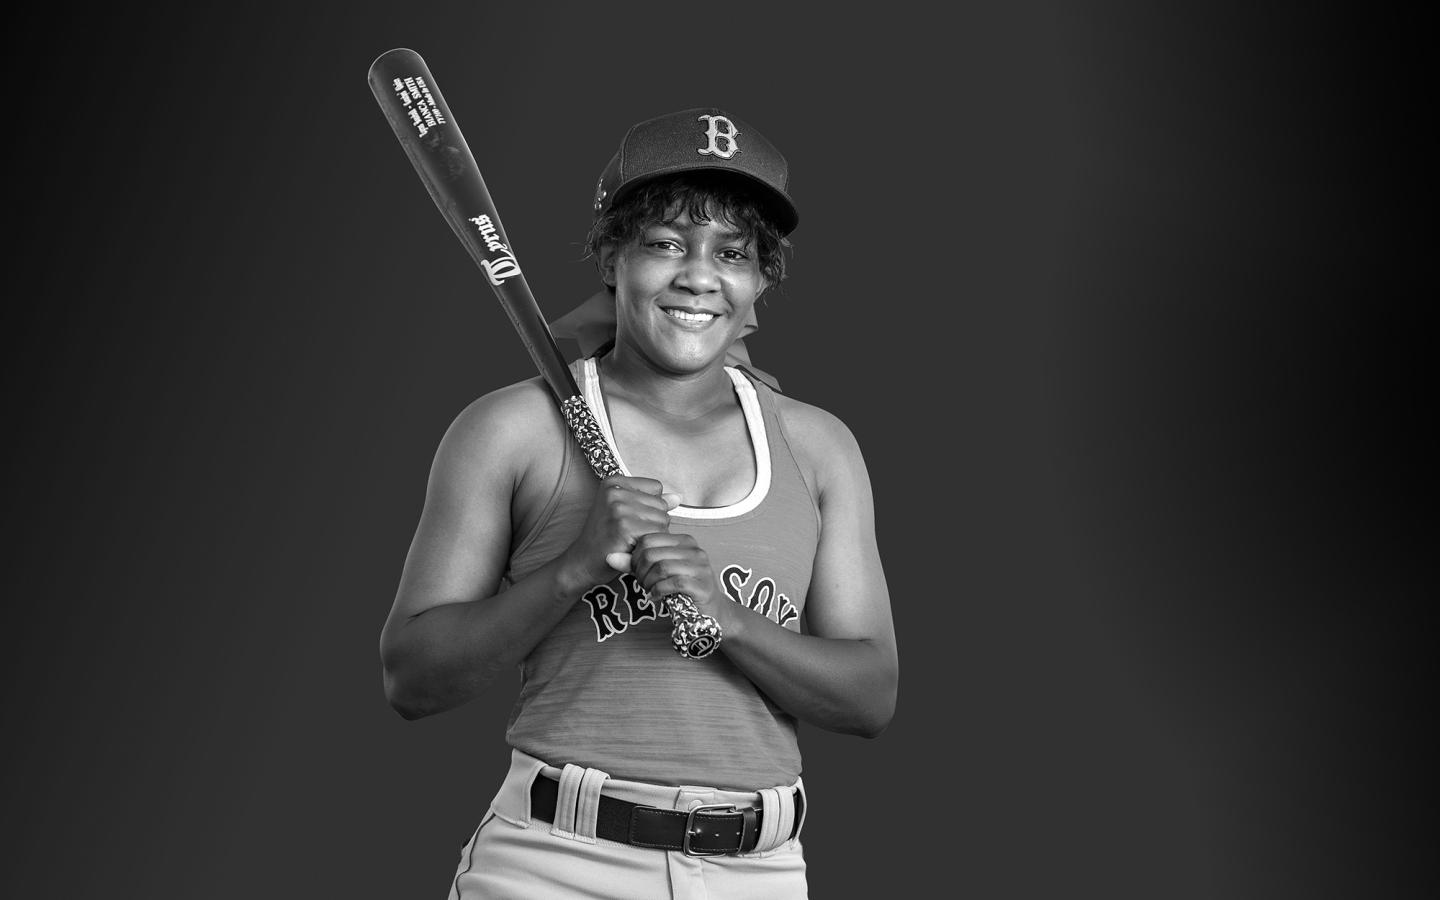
[
  {"x": 623, "y": 562},
  {"x": 662, "y": 541},
  {"x": 628, "y": 509},
  {"x": 647, "y": 486},
  {"x": 639, "y": 511},
  {"x": 671, "y": 563},
  {"x": 631, "y": 483},
  {"x": 645, "y": 493}
]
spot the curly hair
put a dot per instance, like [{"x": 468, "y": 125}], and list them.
[{"x": 705, "y": 196}]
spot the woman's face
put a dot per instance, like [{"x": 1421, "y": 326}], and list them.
[{"x": 683, "y": 291}]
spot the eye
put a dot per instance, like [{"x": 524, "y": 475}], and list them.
[
  {"x": 663, "y": 244},
  {"x": 734, "y": 254}
]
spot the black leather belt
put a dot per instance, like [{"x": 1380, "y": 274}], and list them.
[{"x": 713, "y": 830}]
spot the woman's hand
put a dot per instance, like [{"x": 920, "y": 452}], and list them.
[
  {"x": 667, "y": 564},
  {"x": 624, "y": 510}
]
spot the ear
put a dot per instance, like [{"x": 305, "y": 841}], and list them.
[{"x": 606, "y": 262}]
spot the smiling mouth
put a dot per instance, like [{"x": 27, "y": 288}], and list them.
[{"x": 698, "y": 318}]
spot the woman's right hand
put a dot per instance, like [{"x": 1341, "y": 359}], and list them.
[{"x": 624, "y": 509}]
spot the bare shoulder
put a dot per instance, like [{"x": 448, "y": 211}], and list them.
[
  {"x": 824, "y": 445},
  {"x": 497, "y": 435}
]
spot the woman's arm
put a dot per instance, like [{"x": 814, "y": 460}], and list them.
[{"x": 451, "y": 630}]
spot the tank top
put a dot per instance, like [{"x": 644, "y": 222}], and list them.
[{"x": 605, "y": 688}]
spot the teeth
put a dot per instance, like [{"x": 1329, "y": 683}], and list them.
[{"x": 689, "y": 316}]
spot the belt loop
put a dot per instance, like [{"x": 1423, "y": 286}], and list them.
[
  {"x": 802, "y": 804},
  {"x": 778, "y": 818},
  {"x": 512, "y": 801},
  {"x": 587, "y": 805},
  {"x": 564, "y": 824}
]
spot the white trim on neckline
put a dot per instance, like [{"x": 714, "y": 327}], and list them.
[{"x": 754, "y": 421}]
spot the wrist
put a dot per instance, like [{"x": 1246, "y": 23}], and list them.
[
  {"x": 725, "y": 612},
  {"x": 573, "y": 577}
]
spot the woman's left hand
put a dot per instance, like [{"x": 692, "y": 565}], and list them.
[{"x": 667, "y": 564}]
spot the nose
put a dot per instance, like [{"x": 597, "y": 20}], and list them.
[{"x": 698, "y": 274}]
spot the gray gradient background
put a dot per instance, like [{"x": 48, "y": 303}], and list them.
[{"x": 1116, "y": 302}]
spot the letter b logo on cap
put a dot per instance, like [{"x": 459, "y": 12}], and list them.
[{"x": 721, "y": 138}]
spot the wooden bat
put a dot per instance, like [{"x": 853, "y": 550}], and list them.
[{"x": 425, "y": 127}]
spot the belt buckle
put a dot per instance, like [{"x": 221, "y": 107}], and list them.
[{"x": 690, "y": 830}]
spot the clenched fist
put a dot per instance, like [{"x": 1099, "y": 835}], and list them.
[{"x": 625, "y": 509}]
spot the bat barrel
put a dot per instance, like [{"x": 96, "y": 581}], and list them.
[{"x": 425, "y": 127}]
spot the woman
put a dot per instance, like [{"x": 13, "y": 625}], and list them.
[{"x": 637, "y": 772}]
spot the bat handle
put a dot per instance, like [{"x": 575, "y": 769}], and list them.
[{"x": 696, "y": 635}]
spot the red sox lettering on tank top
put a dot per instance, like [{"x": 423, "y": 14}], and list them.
[
  {"x": 613, "y": 612},
  {"x": 605, "y": 689}
]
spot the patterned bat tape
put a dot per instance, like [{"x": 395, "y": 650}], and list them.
[{"x": 696, "y": 635}]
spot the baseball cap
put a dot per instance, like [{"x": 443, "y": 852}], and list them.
[{"x": 700, "y": 139}]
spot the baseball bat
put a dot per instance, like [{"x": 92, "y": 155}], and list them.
[{"x": 425, "y": 127}]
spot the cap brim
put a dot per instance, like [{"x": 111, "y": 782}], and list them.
[{"x": 786, "y": 216}]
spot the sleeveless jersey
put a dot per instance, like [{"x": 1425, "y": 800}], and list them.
[{"x": 605, "y": 688}]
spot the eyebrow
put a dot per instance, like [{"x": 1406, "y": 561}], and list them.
[{"x": 727, "y": 234}]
